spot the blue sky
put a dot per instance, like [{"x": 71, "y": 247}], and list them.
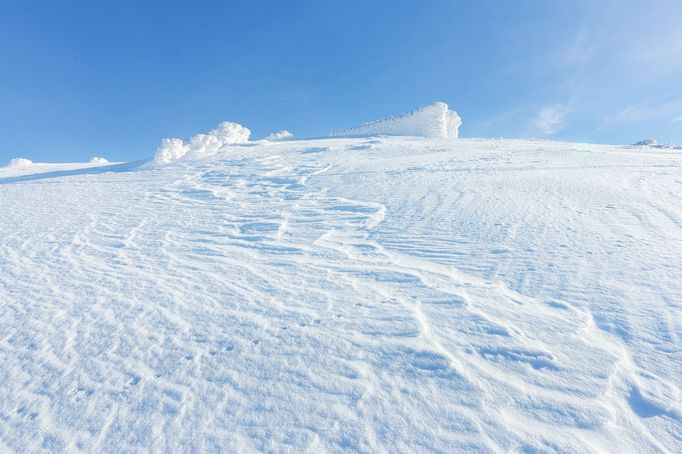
[{"x": 84, "y": 78}]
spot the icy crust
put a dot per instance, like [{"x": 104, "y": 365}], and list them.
[
  {"x": 201, "y": 145},
  {"x": 433, "y": 120}
]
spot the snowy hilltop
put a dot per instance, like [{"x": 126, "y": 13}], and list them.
[
  {"x": 433, "y": 120},
  {"x": 345, "y": 294}
]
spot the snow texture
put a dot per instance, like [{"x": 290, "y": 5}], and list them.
[
  {"x": 309, "y": 296},
  {"x": 201, "y": 145},
  {"x": 280, "y": 136},
  {"x": 433, "y": 120}
]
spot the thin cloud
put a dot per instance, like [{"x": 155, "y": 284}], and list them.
[{"x": 550, "y": 119}]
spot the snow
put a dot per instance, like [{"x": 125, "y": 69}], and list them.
[
  {"x": 20, "y": 167},
  {"x": 279, "y": 136},
  {"x": 654, "y": 144},
  {"x": 433, "y": 120},
  {"x": 19, "y": 162},
  {"x": 646, "y": 143},
  {"x": 392, "y": 294},
  {"x": 201, "y": 145}
]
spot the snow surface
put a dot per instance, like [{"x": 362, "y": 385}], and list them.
[
  {"x": 433, "y": 120},
  {"x": 18, "y": 167},
  {"x": 383, "y": 295}
]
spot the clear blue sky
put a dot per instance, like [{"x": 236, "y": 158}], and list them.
[{"x": 111, "y": 78}]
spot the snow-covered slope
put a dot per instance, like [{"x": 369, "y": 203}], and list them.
[
  {"x": 433, "y": 120},
  {"x": 383, "y": 295},
  {"x": 21, "y": 167}
]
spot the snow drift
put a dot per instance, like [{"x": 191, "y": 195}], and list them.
[
  {"x": 433, "y": 120},
  {"x": 201, "y": 145}
]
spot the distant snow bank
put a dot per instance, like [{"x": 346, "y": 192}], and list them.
[
  {"x": 98, "y": 160},
  {"x": 433, "y": 120},
  {"x": 19, "y": 162},
  {"x": 201, "y": 145}
]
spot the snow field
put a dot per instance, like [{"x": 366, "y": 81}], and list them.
[{"x": 367, "y": 295}]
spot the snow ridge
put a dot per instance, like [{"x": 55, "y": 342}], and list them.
[{"x": 432, "y": 120}]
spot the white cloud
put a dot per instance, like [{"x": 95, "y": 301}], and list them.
[{"x": 550, "y": 119}]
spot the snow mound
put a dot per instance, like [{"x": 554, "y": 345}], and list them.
[
  {"x": 98, "y": 160},
  {"x": 432, "y": 120},
  {"x": 19, "y": 162},
  {"x": 280, "y": 136},
  {"x": 201, "y": 145}
]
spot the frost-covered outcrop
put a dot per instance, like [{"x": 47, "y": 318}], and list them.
[
  {"x": 201, "y": 145},
  {"x": 654, "y": 144},
  {"x": 280, "y": 136},
  {"x": 433, "y": 120},
  {"x": 19, "y": 162},
  {"x": 646, "y": 143},
  {"x": 98, "y": 160}
]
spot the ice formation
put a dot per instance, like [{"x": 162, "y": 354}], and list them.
[
  {"x": 432, "y": 120},
  {"x": 280, "y": 136},
  {"x": 98, "y": 160},
  {"x": 19, "y": 162},
  {"x": 201, "y": 145}
]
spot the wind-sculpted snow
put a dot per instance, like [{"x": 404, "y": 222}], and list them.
[
  {"x": 433, "y": 120},
  {"x": 311, "y": 296},
  {"x": 201, "y": 145}
]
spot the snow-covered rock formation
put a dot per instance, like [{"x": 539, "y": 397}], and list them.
[
  {"x": 280, "y": 136},
  {"x": 201, "y": 145},
  {"x": 654, "y": 144},
  {"x": 98, "y": 160},
  {"x": 646, "y": 143},
  {"x": 433, "y": 120}
]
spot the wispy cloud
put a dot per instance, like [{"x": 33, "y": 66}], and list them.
[
  {"x": 649, "y": 109},
  {"x": 550, "y": 119}
]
